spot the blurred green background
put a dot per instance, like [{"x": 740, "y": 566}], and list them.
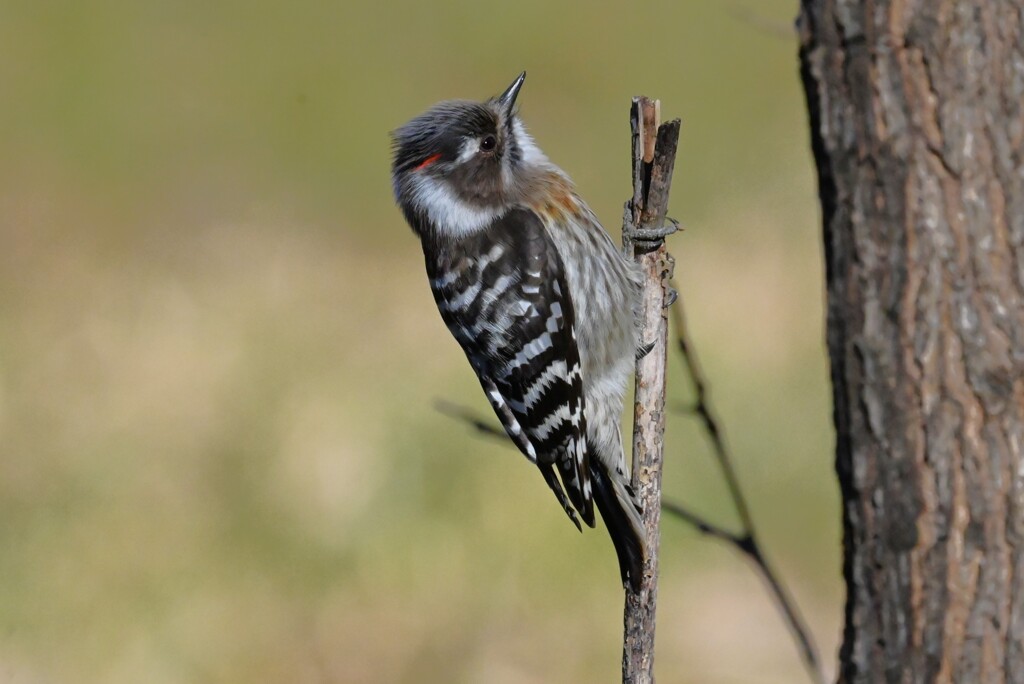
[{"x": 219, "y": 460}]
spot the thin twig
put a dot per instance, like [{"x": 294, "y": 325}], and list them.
[
  {"x": 741, "y": 541},
  {"x": 480, "y": 424},
  {"x": 703, "y": 409},
  {"x": 747, "y": 542},
  {"x": 702, "y": 524},
  {"x": 466, "y": 415}
]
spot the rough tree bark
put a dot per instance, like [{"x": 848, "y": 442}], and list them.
[{"x": 917, "y": 127}]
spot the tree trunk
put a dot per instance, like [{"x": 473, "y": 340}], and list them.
[{"x": 917, "y": 127}]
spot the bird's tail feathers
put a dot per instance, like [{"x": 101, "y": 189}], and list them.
[
  {"x": 621, "y": 514},
  {"x": 549, "y": 476}
]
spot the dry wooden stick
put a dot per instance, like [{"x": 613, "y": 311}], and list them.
[{"x": 654, "y": 149}]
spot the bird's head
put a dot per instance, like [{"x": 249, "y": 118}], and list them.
[{"x": 461, "y": 163}]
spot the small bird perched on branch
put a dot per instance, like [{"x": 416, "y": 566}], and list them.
[{"x": 537, "y": 295}]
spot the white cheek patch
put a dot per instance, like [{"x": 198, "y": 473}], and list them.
[{"x": 449, "y": 214}]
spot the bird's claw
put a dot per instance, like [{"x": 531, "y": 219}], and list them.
[
  {"x": 651, "y": 238},
  {"x": 671, "y": 295},
  {"x": 643, "y": 350}
]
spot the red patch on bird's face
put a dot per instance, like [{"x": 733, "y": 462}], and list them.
[{"x": 427, "y": 162}]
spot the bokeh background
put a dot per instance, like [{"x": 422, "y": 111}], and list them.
[{"x": 219, "y": 460}]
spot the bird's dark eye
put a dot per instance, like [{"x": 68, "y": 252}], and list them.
[{"x": 488, "y": 143}]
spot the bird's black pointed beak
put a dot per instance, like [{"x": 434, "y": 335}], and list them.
[{"x": 507, "y": 100}]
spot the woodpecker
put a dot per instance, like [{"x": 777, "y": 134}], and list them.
[{"x": 536, "y": 293}]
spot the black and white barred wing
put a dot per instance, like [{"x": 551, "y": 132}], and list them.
[{"x": 503, "y": 295}]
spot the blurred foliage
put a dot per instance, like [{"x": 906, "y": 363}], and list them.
[{"x": 218, "y": 354}]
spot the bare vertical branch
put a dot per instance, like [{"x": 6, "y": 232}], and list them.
[{"x": 654, "y": 149}]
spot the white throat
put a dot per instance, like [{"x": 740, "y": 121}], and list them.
[{"x": 449, "y": 215}]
